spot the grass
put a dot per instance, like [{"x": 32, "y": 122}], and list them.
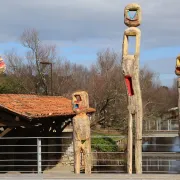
[
  {"x": 115, "y": 138},
  {"x": 105, "y": 142}
]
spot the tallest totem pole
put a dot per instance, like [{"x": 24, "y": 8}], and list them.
[{"x": 130, "y": 68}]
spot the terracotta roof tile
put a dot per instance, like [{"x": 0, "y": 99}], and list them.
[{"x": 34, "y": 106}]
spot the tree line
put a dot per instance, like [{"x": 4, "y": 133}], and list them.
[{"x": 103, "y": 81}]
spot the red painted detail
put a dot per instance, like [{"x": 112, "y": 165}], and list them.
[
  {"x": 2, "y": 64},
  {"x": 128, "y": 81}
]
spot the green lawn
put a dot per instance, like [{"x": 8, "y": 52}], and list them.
[{"x": 105, "y": 142}]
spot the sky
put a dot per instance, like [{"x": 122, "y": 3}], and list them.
[{"x": 81, "y": 28}]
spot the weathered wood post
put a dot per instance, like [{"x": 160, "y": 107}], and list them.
[
  {"x": 81, "y": 131},
  {"x": 177, "y": 72},
  {"x": 130, "y": 68}
]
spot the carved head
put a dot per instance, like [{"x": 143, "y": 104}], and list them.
[
  {"x": 2, "y": 66},
  {"x": 80, "y": 101},
  {"x": 177, "y": 70},
  {"x": 132, "y": 20}
]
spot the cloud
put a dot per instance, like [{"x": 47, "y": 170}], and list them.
[
  {"x": 91, "y": 24},
  {"x": 164, "y": 69},
  {"x": 81, "y": 20}
]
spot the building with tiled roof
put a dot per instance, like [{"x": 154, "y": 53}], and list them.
[
  {"x": 34, "y": 106},
  {"x": 26, "y": 119},
  {"x": 29, "y": 110}
]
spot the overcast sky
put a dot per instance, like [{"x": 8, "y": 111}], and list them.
[{"x": 80, "y": 28}]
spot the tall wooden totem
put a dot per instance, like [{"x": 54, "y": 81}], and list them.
[
  {"x": 130, "y": 68},
  {"x": 81, "y": 131},
  {"x": 177, "y": 72}
]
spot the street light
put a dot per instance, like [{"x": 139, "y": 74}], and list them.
[{"x": 48, "y": 63}]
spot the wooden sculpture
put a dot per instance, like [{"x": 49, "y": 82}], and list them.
[
  {"x": 130, "y": 68},
  {"x": 177, "y": 68},
  {"x": 2, "y": 66},
  {"x": 177, "y": 72},
  {"x": 81, "y": 131}
]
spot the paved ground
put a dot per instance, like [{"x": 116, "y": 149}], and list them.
[{"x": 86, "y": 177}]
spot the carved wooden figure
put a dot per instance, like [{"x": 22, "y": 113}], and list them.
[
  {"x": 81, "y": 131},
  {"x": 178, "y": 87},
  {"x": 177, "y": 68},
  {"x": 130, "y": 68},
  {"x": 2, "y": 66},
  {"x": 177, "y": 72}
]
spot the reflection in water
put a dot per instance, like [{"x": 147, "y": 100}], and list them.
[
  {"x": 176, "y": 148},
  {"x": 176, "y": 145},
  {"x": 166, "y": 163},
  {"x": 145, "y": 146}
]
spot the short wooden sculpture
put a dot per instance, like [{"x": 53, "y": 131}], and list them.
[
  {"x": 81, "y": 131},
  {"x": 130, "y": 68}
]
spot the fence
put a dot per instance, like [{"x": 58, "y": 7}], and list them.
[
  {"x": 162, "y": 125},
  {"x": 161, "y": 162},
  {"x": 55, "y": 154}
]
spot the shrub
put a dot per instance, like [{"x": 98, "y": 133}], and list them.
[{"x": 104, "y": 144}]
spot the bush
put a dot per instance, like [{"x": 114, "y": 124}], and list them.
[{"x": 104, "y": 144}]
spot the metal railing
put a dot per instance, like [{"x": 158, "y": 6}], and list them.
[
  {"x": 160, "y": 165},
  {"x": 108, "y": 153},
  {"x": 35, "y": 154},
  {"x": 161, "y": 125},
  {"x": 55, "y": 154}
]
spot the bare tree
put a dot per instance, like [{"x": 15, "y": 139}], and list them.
[
  {"x": 38, "y": 52},
  {"x": 103, "y": 81},
  {"x": 107, "y": 91},
  {"x": 18, "y": 71}
]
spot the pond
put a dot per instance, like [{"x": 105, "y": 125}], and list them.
[{"x": 161, "y": 155}]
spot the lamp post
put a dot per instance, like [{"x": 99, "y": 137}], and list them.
[{"x": 50, "y": 64}]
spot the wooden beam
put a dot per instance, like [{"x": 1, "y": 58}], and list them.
[
  {"x": 2, "y": 124},
  {"x": 17, "y": 118},
  {"x": 5, "y": 132},
  {"x": 66, "y": 123},
  {"x": 14, "y": 124},
  {"x": 11, "y": 120}
]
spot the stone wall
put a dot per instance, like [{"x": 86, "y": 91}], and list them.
[
  {"x": 68, "y": 157},
  {"x": 66, "y": 160}
]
